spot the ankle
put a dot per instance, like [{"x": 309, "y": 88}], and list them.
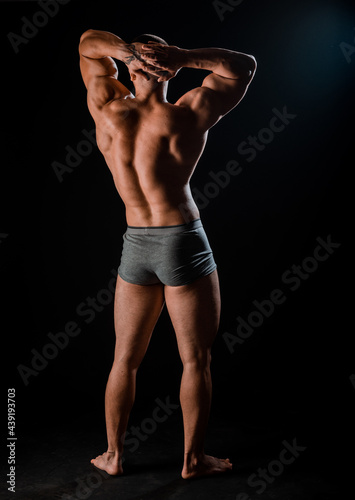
[
  {"x": 113, "y": 454},
  {"x": 193, "y": 458}
]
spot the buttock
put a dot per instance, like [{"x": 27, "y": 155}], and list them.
[{"x": 172, "y": 255}]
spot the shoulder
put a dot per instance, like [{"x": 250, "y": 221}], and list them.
[
  {"x": 105, "y": 91},
  {"x": 202, "y": 103},
  {"x": 195, "y": 97},
  {"x": 100, "y": 78},
  {"x": 216, "y": 97}
]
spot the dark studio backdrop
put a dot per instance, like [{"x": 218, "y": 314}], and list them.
[{"x": 280, "y": 227}]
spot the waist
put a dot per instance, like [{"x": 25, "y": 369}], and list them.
[
  {"x": 162, "y": 215},
  {"x": 164, "y": 230}
]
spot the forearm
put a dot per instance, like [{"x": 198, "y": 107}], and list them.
[
  {"x": 223, "y": 62},
  {"x": 99, "y": 44}
]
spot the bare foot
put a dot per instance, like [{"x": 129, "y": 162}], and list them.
[
  {"x": 205, "y": 466},
  {"x": 109, "y": 462}
]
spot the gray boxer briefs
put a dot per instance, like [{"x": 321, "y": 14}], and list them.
[{"x": 172, "y": 255}]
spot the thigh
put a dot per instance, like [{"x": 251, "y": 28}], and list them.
[
  {"x": 194, "y": 310},
  {"x": 137, "y": 309}
]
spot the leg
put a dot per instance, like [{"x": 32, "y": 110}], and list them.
[
  {"x": 194, "y": 311},
  {"x": 137, "y": 309}
]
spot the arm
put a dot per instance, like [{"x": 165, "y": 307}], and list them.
[
  {"x": 222, "y": 62},
  {"x": 99, "y": 71},
  {"x": 221, "y": 90}
]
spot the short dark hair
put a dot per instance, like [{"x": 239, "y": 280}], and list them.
[{"x": 146, "y": 37}]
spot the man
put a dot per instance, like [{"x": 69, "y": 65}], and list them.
[{"x": 152, "y": 147}]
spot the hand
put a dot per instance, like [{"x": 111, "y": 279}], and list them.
[
  {"x": 134, "y": 59},
  {"x": 164, "y": 58}
]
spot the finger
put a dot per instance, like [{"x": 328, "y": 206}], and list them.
[
  {"x": 155, "y": 62},
  {"x": 152, "y": 69},
  {"x": 151, "y": 42},
  {"x": 151, "y": 55},
  {"x": 162, "y": 75},
  {"x": 157, "y": 65},
  {"x": 156, "y": 72},
  {"x": 158, "y": 48},
  {"x": 153, "y": 49},
  {"x": 166, "y": 77}
]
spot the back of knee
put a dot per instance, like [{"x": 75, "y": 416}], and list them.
[
  {"x": 197, "y": 361},
  {"x": 127, "y": 363}
]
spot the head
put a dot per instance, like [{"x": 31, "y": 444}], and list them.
[{"x": 145, "y": 39}]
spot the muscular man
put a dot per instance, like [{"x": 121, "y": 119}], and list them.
[{"x": 152, "y": 147}]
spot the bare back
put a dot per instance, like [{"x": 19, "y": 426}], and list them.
[
  {"x": 150, "y": 145},
  {"x": 151, "y": 150}
]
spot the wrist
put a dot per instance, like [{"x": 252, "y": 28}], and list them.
[
  {"x": 123, "y": 51},
  {"x": 197, "y": 59},
  {"x": 184, "y": 57}
]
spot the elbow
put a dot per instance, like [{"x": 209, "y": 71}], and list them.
[
  {"x": 250, "y": 68},
  {"x": 86, "y": 34},
  {"x": 83, "y": 40},
  {"x": 253, "y": 65},
  {"x": 243, "y": 66}
]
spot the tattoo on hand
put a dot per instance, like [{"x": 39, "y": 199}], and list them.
[{"x": 135, "y": 54}]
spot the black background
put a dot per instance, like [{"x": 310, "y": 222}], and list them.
[{"x": 60, "y": 240}]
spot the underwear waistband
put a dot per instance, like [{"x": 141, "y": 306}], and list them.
[{"x": 164, "y": 230}]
